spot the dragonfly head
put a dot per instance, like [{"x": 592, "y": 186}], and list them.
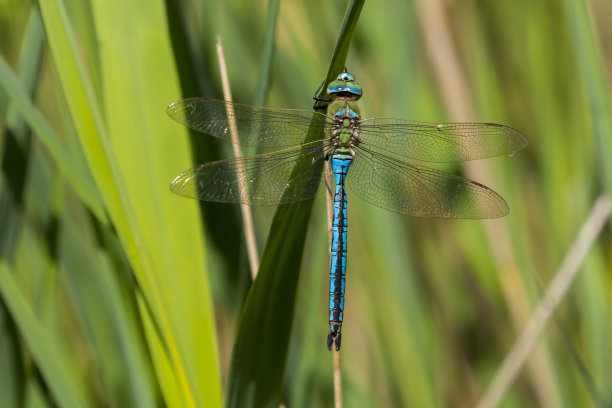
[{"x": 345, "y": 86}]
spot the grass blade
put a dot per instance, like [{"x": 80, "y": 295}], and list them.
[
  {"x": 22, "y": 103},
  {"x": 221, "y": 220},
  {"x": 16, "y": 149},
  {"x": 133, "y": 159},
  {"x": 593, "y": 72},
  {"x": 46, "y": 356},
  {"x": 267, "y": 55},
  {"x": 96, "y": 286}
]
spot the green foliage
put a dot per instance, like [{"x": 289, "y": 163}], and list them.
[{"x": 108, "y": 281}]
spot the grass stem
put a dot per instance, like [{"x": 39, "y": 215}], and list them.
[{"x": 247, "y": 215}]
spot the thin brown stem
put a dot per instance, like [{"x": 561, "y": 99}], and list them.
[
  {"x": 337, "y": 380},
  {"x": 247, "y": 215}
]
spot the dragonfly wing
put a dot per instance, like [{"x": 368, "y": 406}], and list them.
[
  {"x": 256, "y": 126},
  {"x": 420, "y": 191},
  {"x": 440, "y": 142},
  {"x": 281, "y": 177}
]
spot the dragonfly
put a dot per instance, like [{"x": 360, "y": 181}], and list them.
[{"x": 372, "y": 156}]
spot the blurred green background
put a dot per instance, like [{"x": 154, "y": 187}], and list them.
[{"x": 114, "y": 292}]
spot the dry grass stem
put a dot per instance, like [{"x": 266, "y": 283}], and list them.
[
  {"x": 337, "y": 380},
  {"x": 564, "y": 277},
  {"x": 247, "y": 215}
]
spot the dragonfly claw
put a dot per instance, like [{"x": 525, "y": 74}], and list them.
[{"x": 332, "y": 338}]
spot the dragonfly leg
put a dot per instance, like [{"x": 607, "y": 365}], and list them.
[
  {"x": 318, "y": 99},
  {"x": 334, "y": 336}
]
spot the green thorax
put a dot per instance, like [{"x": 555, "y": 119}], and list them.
[
  {"x": 346, "y": 116},
  {"x": 344, "y": 110}
]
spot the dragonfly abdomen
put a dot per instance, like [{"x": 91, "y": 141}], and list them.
[{"x": 340, "y": 163}]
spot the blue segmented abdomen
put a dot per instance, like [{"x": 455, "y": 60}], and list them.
[{"x": 340, "y": 163}]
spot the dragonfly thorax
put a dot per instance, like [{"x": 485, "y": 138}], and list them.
[{"x": 344, "y": 131}]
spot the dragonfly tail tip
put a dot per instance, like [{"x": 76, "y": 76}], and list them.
[{"x": 333, "y": 338}]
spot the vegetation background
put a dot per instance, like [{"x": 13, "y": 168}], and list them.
[{"x": 114, "y": 292}]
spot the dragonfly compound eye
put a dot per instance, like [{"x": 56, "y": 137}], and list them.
[{"x": 345, "y": 86}]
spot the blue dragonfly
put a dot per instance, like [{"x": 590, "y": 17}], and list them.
[{"x": 374, "y": 150}]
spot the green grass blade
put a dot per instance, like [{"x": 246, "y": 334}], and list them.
[
  {"x": 16, "y": 146},
  {"x": 260, "y": 349},
  {"x": 30, "y": 61},
  {"x": 96, "y": 287},
  {"x": 11, "y": 370},
  {"x": 22, "y": 103},
  {"x": 175, "y": 282},
  {"x": 591, "y": 62},
  {"x": 593, "y": 73},
  {"x": 133, "y": 156},
  {"x": 344, "y": 40},
  {"x": 218, "y": 218},
  {"x": 267, "y": 55},
  {"x": 16, "y": 157},
  {"x": 47, "y": 357}
]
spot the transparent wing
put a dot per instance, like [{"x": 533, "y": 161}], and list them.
[
  {"x": 440, "y": 142},
  {"x": 256, "y": 126},
  {"x": 420, "y": 191},
  {"x": 281, "y": 177}
]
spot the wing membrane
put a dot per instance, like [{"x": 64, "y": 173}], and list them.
[
  {"x": 281, "y": 177},
  {"x": 440, "y": 142},
  {"x": 420, "y": 191},
  {"x": 257, "y": 126}
]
